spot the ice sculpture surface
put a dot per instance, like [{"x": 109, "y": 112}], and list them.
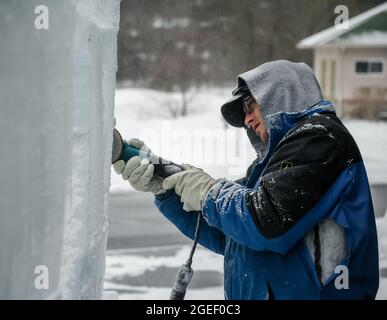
[{"x": 56, "y": 118}]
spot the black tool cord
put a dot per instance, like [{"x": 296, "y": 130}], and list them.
[
  {"x": 185, "y": 273},
  {"x": 196, "y": 239}
]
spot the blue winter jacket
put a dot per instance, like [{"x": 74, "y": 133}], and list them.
[{"x": 312, "y": 172}]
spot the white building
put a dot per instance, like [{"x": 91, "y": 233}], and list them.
[{"x": 351, "y": 64}]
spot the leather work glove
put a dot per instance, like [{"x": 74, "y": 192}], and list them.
[
  {"x": 192, "y": 185},
  {"x": 139, "y": 172}
]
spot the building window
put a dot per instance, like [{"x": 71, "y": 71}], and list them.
[{"x": 369, "y": 67}]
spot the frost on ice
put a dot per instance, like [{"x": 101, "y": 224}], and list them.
[{"x": 57, "y": 96}]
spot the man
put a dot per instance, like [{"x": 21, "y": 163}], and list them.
[{"x": 300, "y": 225}]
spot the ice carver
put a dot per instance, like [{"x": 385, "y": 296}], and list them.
[{"x": 300, "y": 224}]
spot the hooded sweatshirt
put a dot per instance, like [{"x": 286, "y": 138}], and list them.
[{"x": 280, "y": 86}]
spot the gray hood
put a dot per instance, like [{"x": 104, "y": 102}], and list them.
[{"x": 277, "y": 86}]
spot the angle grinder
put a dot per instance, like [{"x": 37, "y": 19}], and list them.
[{"x": 124, "y": 151}]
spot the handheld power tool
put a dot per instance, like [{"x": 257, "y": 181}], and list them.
[{"x": 124, "y": 151}]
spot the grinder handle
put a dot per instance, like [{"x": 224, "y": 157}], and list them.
[{"x": 163, "y": 168}]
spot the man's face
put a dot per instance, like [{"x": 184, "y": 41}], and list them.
[{"x": 254, "y": 118}]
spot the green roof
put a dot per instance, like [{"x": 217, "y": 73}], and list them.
[{"x": 376, "y": 23}]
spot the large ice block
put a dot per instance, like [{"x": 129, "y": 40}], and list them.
[{"x": 56, "y": 120}]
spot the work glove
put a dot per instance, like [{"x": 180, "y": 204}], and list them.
[
  {"x": 139, "y": 172},
  {"x": 192, "y": 185}
]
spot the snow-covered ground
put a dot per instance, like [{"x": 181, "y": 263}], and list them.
[
  {"x": 382, "y": 293},
  {"x": 147, "y": 263},
  {"x": 200, "y": 139},
  {"x": 371, "y": 137},
  {"x": 203, "y": 139}
]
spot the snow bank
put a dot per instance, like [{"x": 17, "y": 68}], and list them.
[
  {"x": 129, "y": 263},
  {"x": 382, "y": 293},
  {"x": 57, "y": 97},
  {"x": 126, "y": 263},
  {"x": 202, "y": 138},
  {"x": 371, "y": 138}
]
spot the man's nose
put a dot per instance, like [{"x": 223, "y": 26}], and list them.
[{"x": 249, "y": 119}]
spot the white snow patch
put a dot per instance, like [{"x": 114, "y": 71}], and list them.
[
  {"x": 176, "y": 22},
  {"x": 131, "y": 262},
  {"x": 135, "y": 265},
  {"x": 202, "y": 138},
  {"x": 371, "y": 138},
  {"x": 382, "y": 293},
  {"x": 137, "y": 113}
]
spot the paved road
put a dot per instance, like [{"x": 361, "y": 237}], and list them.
[{"x": 134, "y": 221}]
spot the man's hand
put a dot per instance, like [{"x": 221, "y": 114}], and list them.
[
  {"x": 139, "y": 172},
  {"x": 192, "y": 185}
]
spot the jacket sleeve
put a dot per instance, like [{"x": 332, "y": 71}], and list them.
[
  {"x": 171, "y": 207},
  {"x": 291, "y": 197}
]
